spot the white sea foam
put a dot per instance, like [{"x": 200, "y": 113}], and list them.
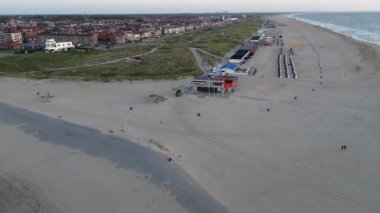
[{"x": 356, "y": 33}]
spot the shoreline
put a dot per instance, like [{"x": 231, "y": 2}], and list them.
[
  {"x": 368, "y": 51},
  {"x": 347, "y": 36}
]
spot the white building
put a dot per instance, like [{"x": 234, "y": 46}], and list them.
[
  {"x": 239, "y": 56},
  {"x": 256, "y": 38},
  {"x": 227, "y": 69},
  {"x": 52, "y": 46},
  {"x": 223, "y": 69},
  {"x": 14, "y": 36}
]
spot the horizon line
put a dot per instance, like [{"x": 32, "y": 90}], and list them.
[{"x": 189, "y": 13}]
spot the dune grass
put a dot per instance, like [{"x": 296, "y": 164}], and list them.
[
  {"x": 221, "y": 40},
  {"x": 171, "y": 61},
  {"x": 213, "y": 61}
]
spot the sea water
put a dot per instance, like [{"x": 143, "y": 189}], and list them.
[{"x": 364, "y": 26}]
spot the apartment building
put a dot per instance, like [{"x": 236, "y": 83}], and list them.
[
  {"x": 88, "y": 39},
  {"x": 10, "y": 40}
]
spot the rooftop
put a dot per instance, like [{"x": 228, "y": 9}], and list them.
[
  {"x": 239, "y": 54},
  {"x": 229, "y": 66}
]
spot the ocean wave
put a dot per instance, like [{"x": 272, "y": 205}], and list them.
[{"x": 358, "y": 34}]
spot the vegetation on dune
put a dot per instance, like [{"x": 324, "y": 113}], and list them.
[
  {"x": 212, "y": 60},
  {"x": 216, "y": 45},
  {"x": 171, "y": 60},
  {"x": 178, "y": 93},
  {"x": 154, "y": 98},
  {"x": 221, "y": 40}
]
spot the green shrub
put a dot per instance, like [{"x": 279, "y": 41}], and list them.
[{"x": 178, "y": 93}]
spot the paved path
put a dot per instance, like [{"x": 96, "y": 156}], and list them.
[
  {"x": 204, "y": 51},
  {"x": 203, "y": 65}
]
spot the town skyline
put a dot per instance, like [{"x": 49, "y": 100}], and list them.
[{"x": 8, "y": 7}]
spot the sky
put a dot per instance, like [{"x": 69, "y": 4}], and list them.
[{"x": 180, "y": 6}]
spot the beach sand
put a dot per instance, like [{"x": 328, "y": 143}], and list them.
[
  {"x": 41, "y": 177},
  {"x": 83, "y": 170},
  {"x": 251, "y": 160}
]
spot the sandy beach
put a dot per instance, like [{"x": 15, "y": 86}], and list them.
[
  {"x": 84, "y": 170},
  {"x": 247, "y": 159}
]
